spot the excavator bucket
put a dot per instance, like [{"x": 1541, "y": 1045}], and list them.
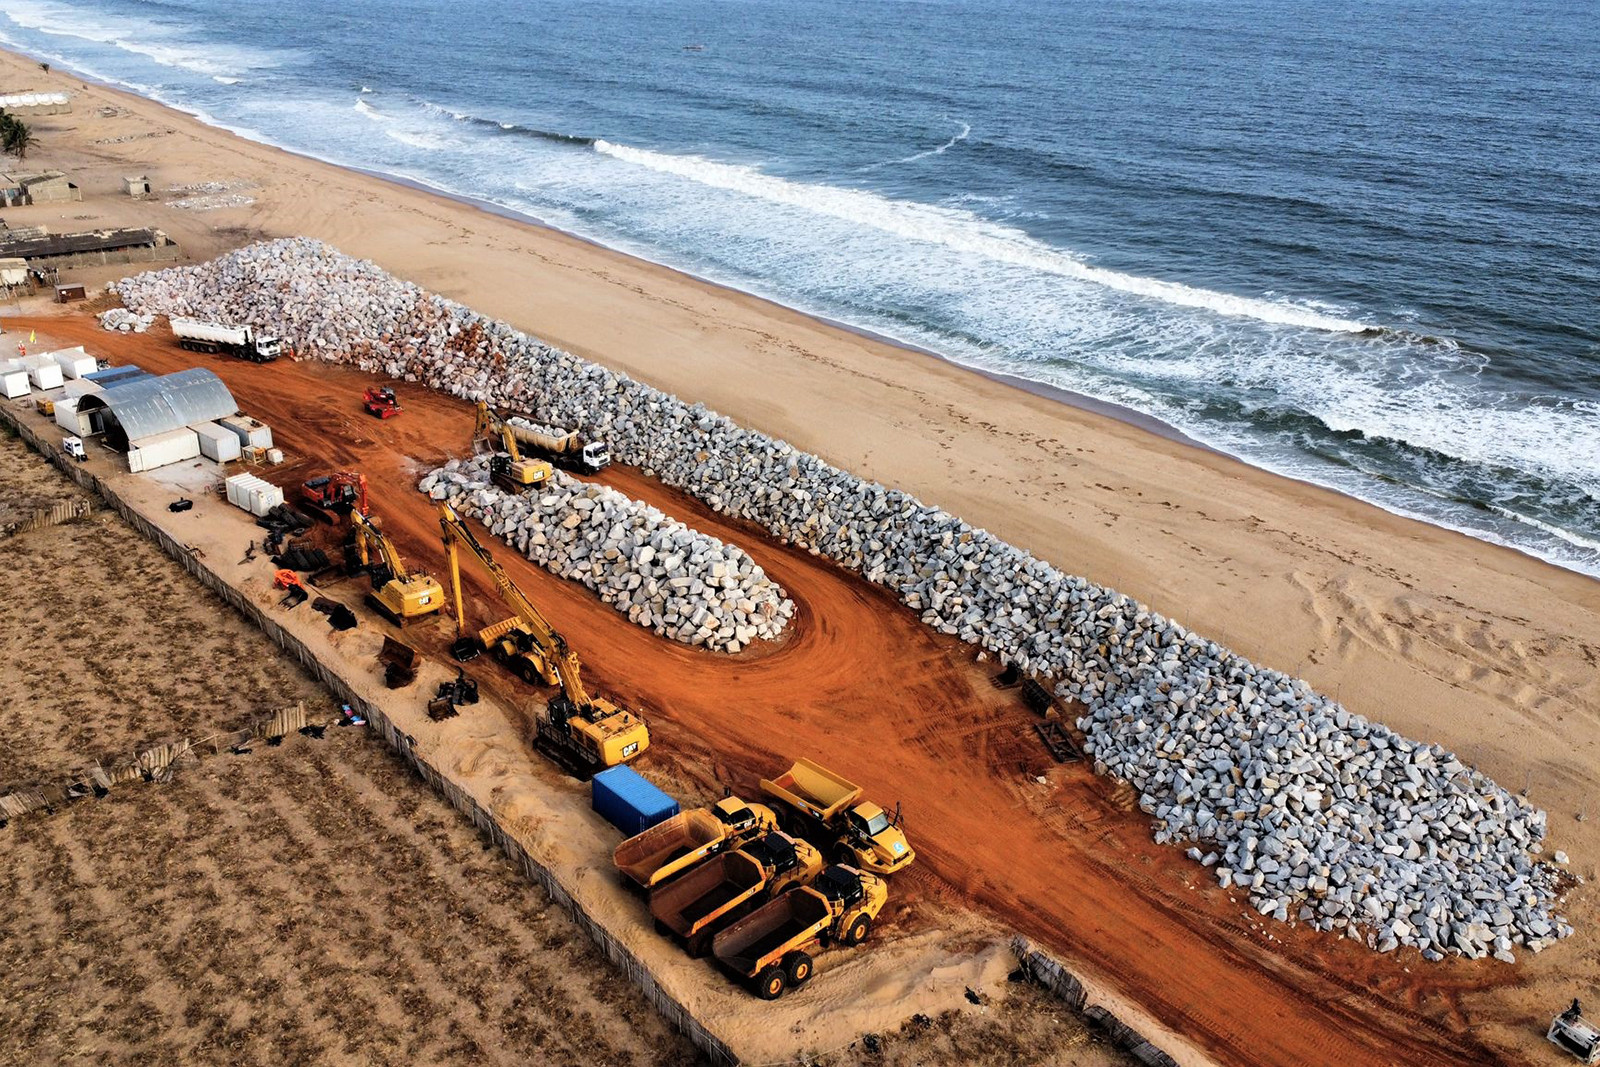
[{"x": 400, "y": 663}]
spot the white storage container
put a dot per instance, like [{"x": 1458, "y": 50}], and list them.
[
  {"x": 44, "y": 372},
  {"x": 67, "y": 413},
  {"x": 160, "y": 449},
  {"x": 264, "y": 497},
  {"x": 255, "y": 495},
  {"x": 274, "y": 456},
  {"x": 215, "y": 442},
  {"x": 75, "y": 362},
  {"x": 238, "y": 489},
  {"x": 14, "y": 380},
  {"x": 250, "y": 431}
]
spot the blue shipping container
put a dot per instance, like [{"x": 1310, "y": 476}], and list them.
[{"x": 629, "y": 802}]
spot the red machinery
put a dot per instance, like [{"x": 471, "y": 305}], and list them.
[
  {"x": 381, "y": 402},
  {"x": 337, "y": 493}
]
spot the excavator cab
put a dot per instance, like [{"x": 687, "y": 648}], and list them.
[{"x": 341, "y": 492}]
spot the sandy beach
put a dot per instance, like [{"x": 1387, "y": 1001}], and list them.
[{"x": 1444, "y": 638}]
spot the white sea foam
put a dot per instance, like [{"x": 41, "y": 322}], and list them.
[
  {"x": 141, "y": 37},
  {"x": 964, "y": 232},
  {"x": 225, "y": 81},
  {"x": 966, "y": 129},
  {"x": 425, "y": 141}
]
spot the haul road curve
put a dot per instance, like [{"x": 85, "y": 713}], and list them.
[{"x": 861, "y": 685}]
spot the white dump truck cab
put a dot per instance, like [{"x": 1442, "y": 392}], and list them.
[
  {"x": 73, "y": 446},
  {"x": 269, "y": 347},
  {"x": 596, "y": 456}
]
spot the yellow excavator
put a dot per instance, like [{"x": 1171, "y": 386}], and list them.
[
  {"x": 397, "y": 594},
  {"x": 590, "y": 732},
  {"x": 507, "y": 467}
]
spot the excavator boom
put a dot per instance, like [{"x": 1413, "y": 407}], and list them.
[
  {"x": 509, "y": 468},
  {"x": 370, "y": 538},
  {"x": 397, "y": 593},
  {"x": 609, "y": 734}
]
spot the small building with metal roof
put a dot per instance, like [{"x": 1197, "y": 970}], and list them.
[{"x": 151, "y": 406}]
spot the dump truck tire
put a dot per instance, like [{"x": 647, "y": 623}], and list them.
[
  {"x": 860, "y": 927},
  {"x": 769, "y": 983},
  {"x": 698, "y": 946},
  {"x": 797, "y": 968}
]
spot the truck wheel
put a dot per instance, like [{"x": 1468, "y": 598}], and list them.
[
  {"x": 698, "y": 946},
  {"x": 859, "y": 929},
  {"x": 663, "y": 929},
  {"x": 769, "y": 983},
  {"x": 846, "y": 855},
  {"x": 797, "y": 967}
]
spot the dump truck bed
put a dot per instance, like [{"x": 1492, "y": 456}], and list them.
[
  {"x": 811, "y": 787},
  {"x": 705, "y": 894},
  {"x": 773, "y": 928},
  {"x": 644, "y": 856}
]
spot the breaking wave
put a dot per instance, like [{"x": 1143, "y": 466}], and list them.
[{"x": 965, "y": 232}]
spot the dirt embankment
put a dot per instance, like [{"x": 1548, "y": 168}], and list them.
[{"x": 862, "y": 685}]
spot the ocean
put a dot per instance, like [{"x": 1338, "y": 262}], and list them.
[{"x": 1357, "y": 244}]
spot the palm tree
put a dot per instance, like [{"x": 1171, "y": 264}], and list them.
[{"x": 15, "y": 137}]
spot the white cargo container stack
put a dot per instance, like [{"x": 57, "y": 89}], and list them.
[
  {"x": 14, "y": 379},
  {"x": 217, "y": 443},
  {"x": 43, "y": 372},
  {"x": 251, "y": 432},
  {"x": 255, "y": 495},
  {"x": 75, "y": 362},
  {"x": 160, "y": 449}
]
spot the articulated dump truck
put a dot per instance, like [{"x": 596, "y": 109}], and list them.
[
  {"x": 773, "y": 945},
  {"x": 726, "y": 887},
  {"x": 670, "y": 848},
  {"x": 817, "y": 804}
]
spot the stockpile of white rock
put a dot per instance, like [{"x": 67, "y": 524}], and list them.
[
  {"x": 125, "y": 321},
  {"x": 682, "y": 584},
  {"x": 1319, "y": 815}
]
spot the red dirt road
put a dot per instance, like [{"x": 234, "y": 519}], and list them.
[{"x": 861, "y": 685}]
